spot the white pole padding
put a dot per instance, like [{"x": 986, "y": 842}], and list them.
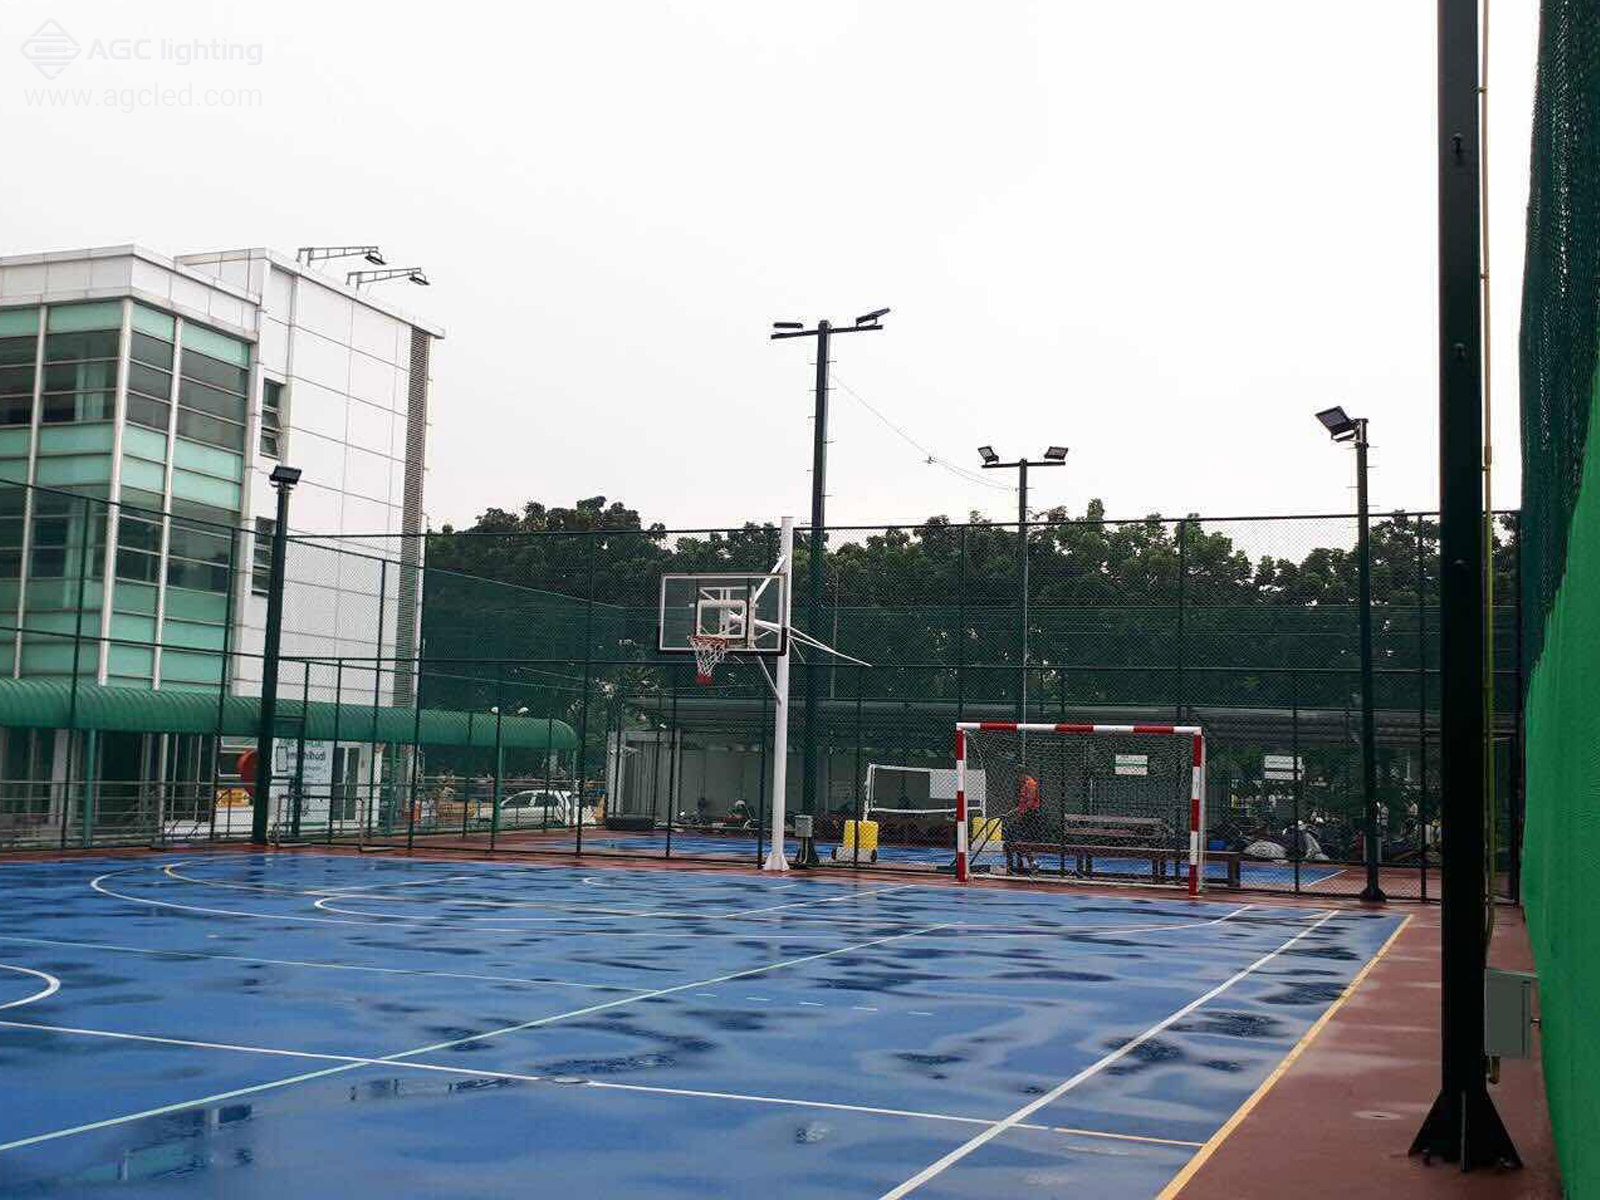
[{"x": 780, "y": 711}]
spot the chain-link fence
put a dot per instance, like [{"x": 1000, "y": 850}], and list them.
[{"x": 505, "y": 688}]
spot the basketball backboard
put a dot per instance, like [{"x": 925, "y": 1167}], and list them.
[{"x": 746, "y": 609}]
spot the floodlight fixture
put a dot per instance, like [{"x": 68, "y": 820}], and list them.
[
  {"x": 871, "y": 317},
  {"x": 787, "y": 325},
  {"x": 1056, "y": 454},
  {"x": 1338, "y": 423},
  {"x": 988, "y": 455},
  {"x": 284, "y": 477},
  {"x": 360, "y": 279},
  {"x": 310, "y": 254}
]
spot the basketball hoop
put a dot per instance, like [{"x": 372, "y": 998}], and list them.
[{"x": 709, "y": 650}]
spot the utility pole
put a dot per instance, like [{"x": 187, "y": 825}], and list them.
[
  {"x": 1462, "y": 1126},
  {"x": 824, "y": 332},
  {"x": 1055, "y": 456},
  {"x": 283, "y": 479}
]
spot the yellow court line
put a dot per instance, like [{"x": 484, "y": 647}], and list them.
[{"x": 1182, "y": 1178}]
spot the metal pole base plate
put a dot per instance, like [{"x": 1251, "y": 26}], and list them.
[{"x": 1463, "y": 1127}]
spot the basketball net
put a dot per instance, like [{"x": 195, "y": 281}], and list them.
[{"x": 709, "y": 651}]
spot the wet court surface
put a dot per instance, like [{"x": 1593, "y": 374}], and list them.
[{"x": 313, "y": 1025}]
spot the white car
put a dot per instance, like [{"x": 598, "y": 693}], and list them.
[{"x": 535, "y": 808}]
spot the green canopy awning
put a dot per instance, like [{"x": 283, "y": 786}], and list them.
[{"x": 51, "y": 704}]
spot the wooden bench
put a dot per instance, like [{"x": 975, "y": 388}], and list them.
[{"x": 1158, "y": 857}]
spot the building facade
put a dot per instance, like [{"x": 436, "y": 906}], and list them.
[{"x": 144, "y": 400}]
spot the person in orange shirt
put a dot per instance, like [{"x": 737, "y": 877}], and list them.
[{"x": 1026, "y": 824}]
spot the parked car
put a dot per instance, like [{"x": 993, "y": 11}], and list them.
[{"x": 534, "y": 808}]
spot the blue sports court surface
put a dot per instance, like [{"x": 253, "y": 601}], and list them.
[{"x": 315, "y": 1025}]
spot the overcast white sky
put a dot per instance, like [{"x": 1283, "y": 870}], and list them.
[{"x": 1160, "y": 233}]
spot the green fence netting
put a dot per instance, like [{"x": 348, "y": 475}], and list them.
[{"x": 1561, "y": 572}]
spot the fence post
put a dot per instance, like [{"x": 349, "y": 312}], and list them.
[
  {"x": 673, "y": 738},
  {"x": 961, "y": 625},
  {"x": 588, "y": 672},
  {"x": 416, "y": 753},
  {"x": 298, "y": 800},
  {"x": 335, "y": 780},
  {"x": 377, "y": 696},
  {"x": 77, "y": 658},
  {"x": 499, "y": 723},
  {"x": 1183, "y": 578},
  {"x": 1422, "y": 706}
]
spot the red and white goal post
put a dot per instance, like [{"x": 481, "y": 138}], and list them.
[{"x": 1125, "y": 795}]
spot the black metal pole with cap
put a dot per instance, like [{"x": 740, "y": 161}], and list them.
[{"x": 283, "y": 479}]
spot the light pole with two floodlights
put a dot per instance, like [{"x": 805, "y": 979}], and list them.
[{"x": 1055, "y": 456}]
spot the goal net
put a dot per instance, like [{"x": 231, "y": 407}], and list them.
[
  {"x": 892, "y": 789},
  {"x": 1115, "y": 803}
]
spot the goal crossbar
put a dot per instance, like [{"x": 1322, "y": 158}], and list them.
[{"x": 1196, "y": 760}]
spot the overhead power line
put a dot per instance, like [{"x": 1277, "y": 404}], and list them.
[{"x": 928, "y": 455}]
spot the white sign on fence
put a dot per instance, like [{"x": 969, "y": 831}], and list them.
[
  {"x": 1283, "y": 766},
  {"x": 1133, "y": 764}
]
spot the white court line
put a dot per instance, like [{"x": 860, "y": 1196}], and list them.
[
  {"x": 369, "y": 887},
  {"x": 377, "y": 922},
  {"x": 750, "y": 912},
  {"x": 353, "y": 1060},
  {"x": 52, "y": 985},
  {"x": 453, "y": 1042},
  {"x": 331, "y": 894},
  {"x": 292, "y": 962},
  {"x": 1061, "y": 1089}
]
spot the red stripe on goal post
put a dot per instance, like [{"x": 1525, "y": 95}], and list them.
[
  {"x": 961, "y": 805},
  {"x": 1196, "y": 832}
]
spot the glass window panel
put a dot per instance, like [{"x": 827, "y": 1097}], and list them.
[
  {"x": 261, "y": 569},
  {"x": 271, "y": 417},
  {"x": 14, "y": 381},
  {"x": 153, "y": 351},
  {"x": 80, "y": 377},
  {"x": 18, "y": 350},
  {"x": 139, "y": 499},
  {"x": 149, "y": 381},
  {"x": 219, "y": 374},
  {"x": 49, "y": 562},
  {"x": 203, "y": 512},
  {"x": 198, "y": 576},
  {"x": 106, "y": 314},
  {"x": 151, "y": 413},
  {"x": 65, "y": 347},
  {"x": 16, "y": 410},
  {"x": 134, "y": 564},
  {"x": 84, "y": 406},
  {"x": 210, "y": 430},
  {"x": 210, "y": 400},
  {"x": 199, "y": 543},
  {"x": 149, "y": 321},
  {"x": 17, "y": 321},
  {"x": 138, "y": 534},
  {"x": 215, "y": 345}
]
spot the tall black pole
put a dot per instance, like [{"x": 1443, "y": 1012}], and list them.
[
  {"x": 1022, "y": 590},
  {"x": 1463, "y": 1125},
  {"x": 867, "y": 323},
  {"x": 269, "y": 660},
  {"x": 1369, "y": 738},
  {"x": 815, "y": 574}
]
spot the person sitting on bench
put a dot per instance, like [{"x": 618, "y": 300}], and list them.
[{"x": 1025, "y": 825}]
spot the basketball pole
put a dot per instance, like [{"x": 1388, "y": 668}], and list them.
[{"x": 780, "y": 708}]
